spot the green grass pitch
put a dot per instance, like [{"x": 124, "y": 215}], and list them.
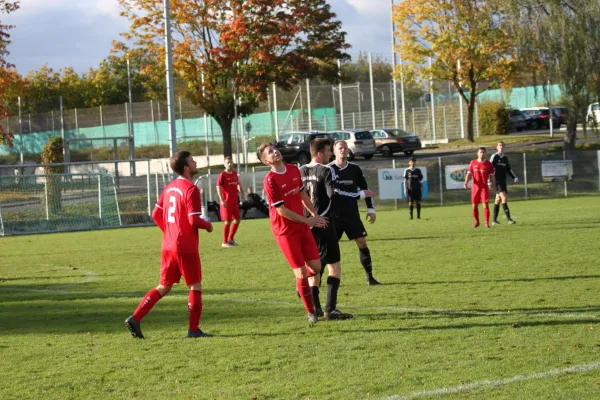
[{"x": 510, "y": 312}]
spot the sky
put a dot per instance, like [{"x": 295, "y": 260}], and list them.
[{"x": 79, "y": 33}]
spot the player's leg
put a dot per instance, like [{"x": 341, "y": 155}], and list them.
[
  {"x": 235, "y": 214},
  {"x": 504, "y": 199},
  {"x": 192, "y": 273},
  {"x": 410, "y": 206},
  {"x": 365, "y": 259},
  {"x": 475, "y": 200},
  {"x": 485, "y": 199},
  {"x": 496, "y": 208},
  {"x": 417, "y": 198}
]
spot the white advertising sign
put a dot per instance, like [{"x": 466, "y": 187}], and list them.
[
  {"x": 455, "y": 176},
  {"x": 391, "y": 183}
]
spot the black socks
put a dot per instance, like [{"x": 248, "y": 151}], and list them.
[
  {"x": 333, "y": 284},
  {"x": 365, "y": 260}
]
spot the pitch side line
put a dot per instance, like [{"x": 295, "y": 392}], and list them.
[{"x": 492, "y": 384}]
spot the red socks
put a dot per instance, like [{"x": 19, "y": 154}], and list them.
[
  {"x": 195, "y": 309},
  {"x": 486, "y": 215},
  {"x": 232, "y": 231},
  {"x": 225, "y": 233},
  {"x": 305, "y": 294},
  {"x": 476, "y": 214},
  {"x": 151, "y": 298}
]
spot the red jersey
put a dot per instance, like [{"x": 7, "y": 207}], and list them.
[
  {"x": 227, "y": 183},
  {"x": 178, "y": 214},
  {"x": 283, "y": 188},
  {"x": 481, "y": 172}
]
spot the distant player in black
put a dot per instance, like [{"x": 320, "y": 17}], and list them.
[
  {"x": 350, "y": 186},
  {"x": 413, "y": 184},
  {"x": 502, "y": 168},
  {"x": 253, "y": 201},
  {"x": 318, "y": 182}
]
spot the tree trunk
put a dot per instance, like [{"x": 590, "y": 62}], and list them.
[
  {"x": 225, "y": 124},
  {"x": 571, "y": 135},
  {"x": 471, "y": 119}
]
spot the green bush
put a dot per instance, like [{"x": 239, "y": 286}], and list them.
[{"x": 493, "y": 118}]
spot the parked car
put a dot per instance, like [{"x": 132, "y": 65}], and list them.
[
  {"x": 389, "y": 141},
  {"x": 539, "y": 117},
  {"x": 518, "y": 121},
  {"x": 593, "y": 114},
  {"x": 562, "y": 113},
  {"x": 360, "y": 142},
  {"x": 295, "y": 146}
]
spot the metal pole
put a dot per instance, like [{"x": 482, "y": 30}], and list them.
[
  {"x": 402, "y": 92},
  {"x": 153, "y": 122},
  {"x": 270, "y": 110},
  {"x": 550, "y": 113},
  {"x": 394, "y": 90},
  {"x": 236, "y": 128},
  {"x": 46, "y": 197},
  {"x": 181, "y": 117},
  {"x": 205, "y": 124},
  {"x": 132, "y": 125},
  {"x": 254, "y": 179},
  {"x": 359, "y": 103},
  {"x": 383, "y": 118},
  {"x": 100, "y": 198},
  {"x": 148, "y": 187},
  {"x": 565, "y": 158},
  {"x": 460, "y": 104},
  {"x": 445, "y": 127},
  {"x": 76, "y": 122},
  {"x": 340, "y": 94},
  {"x": 21, "y": 133},
  {"x": 102, "y": 123},
  {"x": 395, "y": 200},
  {"x": 372, "y": 91},
  {"x": 432, "y": 102},
  {"x": 413, "y": 119},
  {"x": 525, "y": 174},
  {"x": 210, "y": 197},
  {"x": 170, "y": 86},
  {"x": 308, "y": 104},
  {"x": 276, "y": 112},
  {"x": 598, "y": 170},
  {"x": 441, "y": 182},
  {"x": 353, "y": 121},
  {"x": 62, "y": 134}
]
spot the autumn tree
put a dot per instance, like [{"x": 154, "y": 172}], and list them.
[
  {"x": 564, "y": 38},
  {"x": 6, "y": 7},
  {"x": 239, "y": 46},
  {"x": 472, "y": 31}
]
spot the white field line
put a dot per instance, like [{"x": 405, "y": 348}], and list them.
[{"x": 492, "y": 384}]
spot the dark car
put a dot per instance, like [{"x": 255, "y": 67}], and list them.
[
  {"x": 562, "y": 113},
  {"x": 390, "y": 140},
  {"x": 518, "y": 121},
  {"x": 295, "y": 146},
  {"x": 539, "y": 117}
]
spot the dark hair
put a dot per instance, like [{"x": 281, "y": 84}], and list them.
[
  {"x": 179, "y": 161},
  {"x": 261, "y": 149},
  {"x": 318, "y": 146},
  {"x": 228, "y": 158},
  {"x": 482, "y": 148},
  {"x": 412, "y": 159}
]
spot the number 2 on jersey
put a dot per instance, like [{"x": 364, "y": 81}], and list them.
[{"x": 171, "y": 211}]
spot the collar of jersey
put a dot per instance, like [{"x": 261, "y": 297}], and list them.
[
  {"x": 280, "y": 173},
  {"x": 185, "y": 179}
]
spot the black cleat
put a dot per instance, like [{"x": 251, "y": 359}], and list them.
[
  {"x": 372, "y": 281},
  {"x": 197, "y": 334},
  {"x": 511, "y": 222},
  {"x": 320, "y": 312},
  {"x": 312, "y": 318},
  {"x": 337, "y": 314},
  {"x": 134, "y": 327}
]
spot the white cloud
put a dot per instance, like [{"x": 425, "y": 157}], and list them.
[{"x": 88, "y": 7}]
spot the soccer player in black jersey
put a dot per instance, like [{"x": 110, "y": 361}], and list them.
[
  {"x": 318, "y": 182},
  {"x": 502, "y": 168},
  {"x": 413, "y": 184},
  {"x": 350, "y": 185}
]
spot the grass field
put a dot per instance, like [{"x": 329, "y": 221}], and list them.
[{"x": 510, "y": 312}]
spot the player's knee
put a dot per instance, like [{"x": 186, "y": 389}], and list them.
[
  {"x": 163, "y": 290},
  {"x": 361, "y": 242},
  {"x": 196, "y": 286}
]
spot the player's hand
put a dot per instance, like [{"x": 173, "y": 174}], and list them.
[
  {"x": 317, "y": 221},
  {"x": 371, "y": 218},
  {"x": 465, "y": 185},
  {"x": 369, "y": 193},
  {"x": 224, "y": 204}
]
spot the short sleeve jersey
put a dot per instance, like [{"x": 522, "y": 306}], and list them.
[
  {"x": 413, "y": 178},
  {"x": 180, "y": 199},
  {"x": 228, "y": 182},
  {"x": 283, "y": 189},
  {"x": 318, "y": 181},
  {"x": 502, "y": 167},
  {"x": 481, "y": 172}
]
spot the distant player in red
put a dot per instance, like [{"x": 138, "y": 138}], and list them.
[
  {"x": 480, "y": 170},
  {"x": 228, "y": 185},
  {"x": 178, "y": 213},
  {"x": 287, "y": 198}
]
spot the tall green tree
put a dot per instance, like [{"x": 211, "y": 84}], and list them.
[
  {"x": 240, "y": 46},
  {"x": 472, "y": 31},
  {"x": 563, "y": 37}
]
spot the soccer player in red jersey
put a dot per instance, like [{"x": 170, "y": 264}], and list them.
[
  {"x": 178, "y": 213},
  {"x": 228, "y": 185},
  {"x": 480, "y": 170},
  {"x": 286, "y": 195}
]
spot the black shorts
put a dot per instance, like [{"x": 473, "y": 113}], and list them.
[
  {"x": 351, "y": 225},
  {"x": 414, "y": 194},
  {"x": 501, "y": 187},
  {"x": 327, "y": 243}
]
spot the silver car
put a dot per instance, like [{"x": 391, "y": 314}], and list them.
[{"x": 360, "y": 142}]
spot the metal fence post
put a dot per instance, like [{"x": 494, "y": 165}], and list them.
[
  {"x": 148, "y": 187},
  {"x": 308, "y": 108},
  {"x": 254, "y": 179},
  {"x": 46, "y": 197},
  {"x": 525, "y": 174},
  {"x": 599, "y": 170},
  {"x": 372, "y": 91},
  {"x": 441, "y": 182},
  {"x": 564, "y": 158},
  {"x": 276, "y": 112},
  {"x": 445, "y": 127},
  {"x": 353, "y": 121},
  {"x": 21, "y": 133},
  {"x": 395, "y": 200},
  {"x": 102, "y": 122},
  {"x": 341, "y": 94},
  {"x": 100, "y": 198},
  {"x": 383, "y": 124},
  {"x": 209, "y": 183},
  {"x": 413, "y": 118}
]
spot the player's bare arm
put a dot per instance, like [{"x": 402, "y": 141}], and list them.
[
  {"x": 317, "y": 221},
  {"x": 220, "y": 195},
  {"x": 468, "y": 179}
]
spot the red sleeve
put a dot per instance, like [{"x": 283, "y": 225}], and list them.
[
  {"x": 220, "y": 180},
  {"x": 158, "y": 213},
  {"x": 194, "y": 209},
  {"x": 272, "y": 191}
]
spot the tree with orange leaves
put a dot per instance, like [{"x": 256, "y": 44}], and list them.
[
  {"x": 6, "y": 73},
  {"x": 474, "y": 32},
  {"x": 242, "y": 46}
]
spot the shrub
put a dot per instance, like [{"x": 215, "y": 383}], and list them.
[{"x": 493, "y": 118}]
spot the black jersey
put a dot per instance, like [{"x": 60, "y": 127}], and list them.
[
  {"x": 349, "y": 182},
  {"x": 502, "y": 167},
  {"x": 318, "y": 181},
  {"x": 413, "y": 178}
]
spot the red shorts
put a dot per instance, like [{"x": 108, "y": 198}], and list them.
[
  {"x": 174, "y": 264},
  {"x": 299, "y": 248},
  {"x": 480, "y": 194},
  {"x": 231, "y": 212}
]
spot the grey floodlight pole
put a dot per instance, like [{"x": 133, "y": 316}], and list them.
[
  {"x": 131, "y": 125},
  {"x": 460, "y": 98},
  {"x": 170, "y": 86},
  {"x": 395, "y": 89}
]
